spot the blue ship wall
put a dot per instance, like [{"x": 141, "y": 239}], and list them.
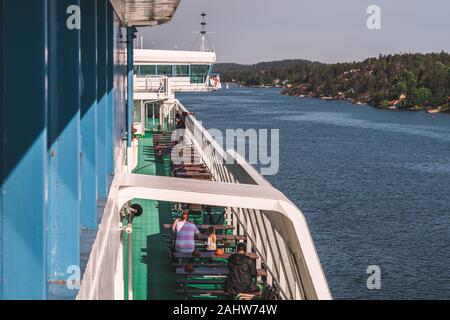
[{"x": 61, "y": 119}]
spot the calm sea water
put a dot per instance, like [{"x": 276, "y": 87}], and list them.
[{"x": 374, "y": 185}]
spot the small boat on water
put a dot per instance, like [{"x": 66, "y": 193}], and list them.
[{"x": 433, "y": 110}]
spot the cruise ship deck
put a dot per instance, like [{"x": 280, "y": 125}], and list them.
[
  {"x": 153, "y": 273},
  {"x": 86, "y": 143}
]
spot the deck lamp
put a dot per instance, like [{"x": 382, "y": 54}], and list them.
[{"x": 129, "y": 212}]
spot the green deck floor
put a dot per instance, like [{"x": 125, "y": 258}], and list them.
[{"x": 153, "y": 276}]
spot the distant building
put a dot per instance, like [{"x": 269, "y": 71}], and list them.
[{"x": 393, "y": 103}]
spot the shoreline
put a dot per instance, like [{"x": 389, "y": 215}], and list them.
[
  {"x": 285, "y": 92},
  {"x": 433, "y": 109}
]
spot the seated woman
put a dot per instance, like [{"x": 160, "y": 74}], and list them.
[
  {"x": 211, "y": 243},
  {"x": 186, "y": 232}
]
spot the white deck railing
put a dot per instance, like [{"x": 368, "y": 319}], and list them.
[
  {"x": 167, "y": 86},
  {"x": 290, "y": 257}
]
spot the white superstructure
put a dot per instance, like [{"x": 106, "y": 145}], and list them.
[{"x": 159, "y": 74}]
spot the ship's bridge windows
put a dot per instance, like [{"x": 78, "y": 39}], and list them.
[
  {"x": 182, "y": 70},
  {"x": 145, "y": 70},
  {"x": 164, "y": 70},
  {"x": 199, "y": 72}
]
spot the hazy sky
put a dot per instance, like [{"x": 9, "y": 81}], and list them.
[{"x": 249, "y": 31}]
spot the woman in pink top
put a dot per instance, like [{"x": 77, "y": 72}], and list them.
[{"x": 186, "y": 232}]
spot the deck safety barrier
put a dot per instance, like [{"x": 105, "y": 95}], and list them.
[{"x": 266, "y": 230}]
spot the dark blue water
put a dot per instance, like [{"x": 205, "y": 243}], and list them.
[{"x": 374, "y": 185}]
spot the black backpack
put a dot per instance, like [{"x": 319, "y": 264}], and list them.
[{"x": 269, "y": 293}]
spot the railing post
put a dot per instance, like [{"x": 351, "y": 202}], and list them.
[
  {"x": 269, "y": 262},
  {"x": 282, "y": 276},
  {"x": 257, "y": 245},
  {"x": 230, "y": 219}
]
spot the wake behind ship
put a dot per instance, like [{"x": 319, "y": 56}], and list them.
[{"x": 89, "y": 184}]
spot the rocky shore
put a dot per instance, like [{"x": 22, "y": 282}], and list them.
[{"x": 303, "y": 91}]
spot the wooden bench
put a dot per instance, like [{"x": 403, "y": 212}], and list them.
[
  {"x": 205, "y": 226},
  {"x": 159, "y": 137},
  {"x": 162, "y": 135},
  {"x": 201, "y": 292},
  {"x": 185, "y": 284},
  {"x": 190, "y": 171},
  {"x": 199, "y": 264},
  {"x": 201, "y": 245},
  {"x": 215, "y": 292},
  {"x": 210, "y": 281},
  {"x": 188, "y": 165},
  {"x": 163, "y": 145},
  {"x": 200, "y": 281},
  {"x": 205, "y": 271},
  {"x": 208, "y": 255},
  {"x": 220, "y": 237}
]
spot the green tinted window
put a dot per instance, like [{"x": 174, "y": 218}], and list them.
[
  {"x": 199, "y": 69},
  {"x": 147, "y": 70},
  {"x": 182, "y": 70},
  {"x": 164, "y": 70},
  {"x": 199, "y": 73}
]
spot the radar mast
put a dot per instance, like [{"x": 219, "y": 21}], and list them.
[{"x": 203, "y": 35}]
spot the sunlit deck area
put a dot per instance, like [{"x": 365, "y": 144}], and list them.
[{"x": 158, "y": 272}]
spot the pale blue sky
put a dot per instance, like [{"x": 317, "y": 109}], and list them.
[{"x": 248, "y": 31}]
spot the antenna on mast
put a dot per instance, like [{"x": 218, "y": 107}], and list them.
[
  {"x": 203, "y": 32},
  {"x": 204, "y": 35}
]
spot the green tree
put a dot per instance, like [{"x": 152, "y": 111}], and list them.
[
  {"x": 398, "y": 89},
  {"x": 409, "y": 79},
  {"x": 421, "y": 97}
]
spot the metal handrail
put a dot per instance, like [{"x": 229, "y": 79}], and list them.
[
  {"x": 266, "y": 267},
  {"x": 149, "y": 83},
  {"x": 213, "y": 157}
]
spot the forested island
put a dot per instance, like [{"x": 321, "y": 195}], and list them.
[{"x": 400, "y": 81}]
